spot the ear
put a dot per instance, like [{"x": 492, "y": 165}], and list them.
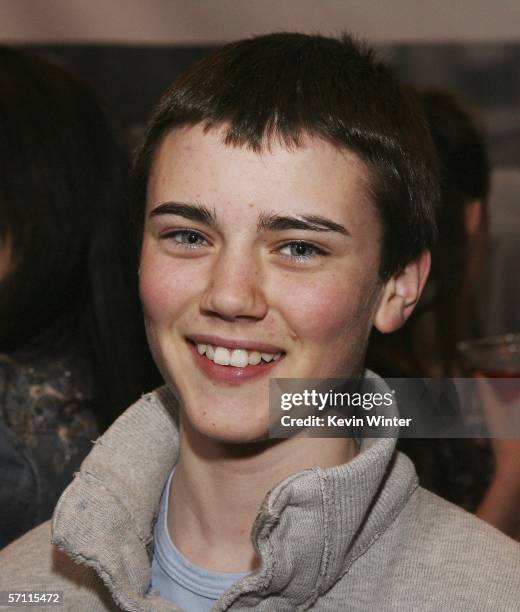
[{"x": 401, "y": 293}]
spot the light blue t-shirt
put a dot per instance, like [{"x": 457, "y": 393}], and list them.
[{"x": 188, "y": 586}]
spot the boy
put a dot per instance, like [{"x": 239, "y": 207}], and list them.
[{"x": 285, "y": 199}]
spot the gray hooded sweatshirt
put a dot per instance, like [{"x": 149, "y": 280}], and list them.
[{"x": 357, "y": 537}]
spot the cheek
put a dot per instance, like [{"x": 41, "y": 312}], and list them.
[
  {"x": 163, "y": 290},
  {"x": 154, "y": 293},
  {"x": 334, "y": 310}
]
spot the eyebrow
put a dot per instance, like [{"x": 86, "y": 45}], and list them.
[
  {"x": 266, "y": 221},
  {"x": 193, "y": 212},
  {"x": 315, "y": 223}
]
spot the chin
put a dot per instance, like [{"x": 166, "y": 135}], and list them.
[{"x": 229, "y": 426}]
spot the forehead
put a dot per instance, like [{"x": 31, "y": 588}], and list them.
[{"x": 192, "y": 165}]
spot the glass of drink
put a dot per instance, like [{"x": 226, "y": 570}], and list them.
[
  {"x": 495, "y": 357},
  {"x": 495, "y": 363},
  {"x": 492, "y": 357}
]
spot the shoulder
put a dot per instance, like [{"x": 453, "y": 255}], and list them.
[
  {"x": 66, "y": 368},
  {"x": 46, "y": 403},
  {"x": 460, "y": 529},
  {"x": 460, "y": 555},
  {"x": 46, "y": 428},
  {"x": 434, "y": 556},
  {"x": 44, "y": 388},
  {"x": 32, "y": 563}
]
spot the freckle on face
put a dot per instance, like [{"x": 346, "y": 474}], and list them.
[{"x": 318, "y": 313}]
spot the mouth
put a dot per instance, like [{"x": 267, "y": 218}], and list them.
[{"x": 233, "y": 361}]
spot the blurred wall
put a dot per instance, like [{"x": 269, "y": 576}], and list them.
[{"x": 201, "y": 22}]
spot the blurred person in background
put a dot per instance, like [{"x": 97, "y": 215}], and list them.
[
  {"x": 72, "y": 347},
  {"x": 448, "y": 302},
  {"x": 478, "y": 476},
  {"x": 499, "y": 295}
]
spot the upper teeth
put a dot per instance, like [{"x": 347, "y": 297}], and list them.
[{"x": 238, "y": 358}]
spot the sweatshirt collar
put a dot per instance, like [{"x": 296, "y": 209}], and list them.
[{"x": 330, "y": 516}]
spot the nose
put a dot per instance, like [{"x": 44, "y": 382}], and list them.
[{"x": 235, "y": 287}]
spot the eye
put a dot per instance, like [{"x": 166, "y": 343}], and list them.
[
  {"x": 300, "y": 250},
  {"x": 189, "y": 239}
]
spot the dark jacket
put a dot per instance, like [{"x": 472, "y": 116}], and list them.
[{"x": 46, "y": 429}]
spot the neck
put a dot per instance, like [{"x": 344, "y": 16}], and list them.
[{"x": 218, "y": 489}]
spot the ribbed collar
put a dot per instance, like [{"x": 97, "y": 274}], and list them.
[{"x": 309, "y": 530}]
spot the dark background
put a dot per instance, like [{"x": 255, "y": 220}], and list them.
[{"x": 130, "y": 79}]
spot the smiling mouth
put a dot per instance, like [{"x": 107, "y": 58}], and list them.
[{"x": 236, "y": 358}]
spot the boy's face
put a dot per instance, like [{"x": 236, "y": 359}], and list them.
[{"x": 274, "y": 253}]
